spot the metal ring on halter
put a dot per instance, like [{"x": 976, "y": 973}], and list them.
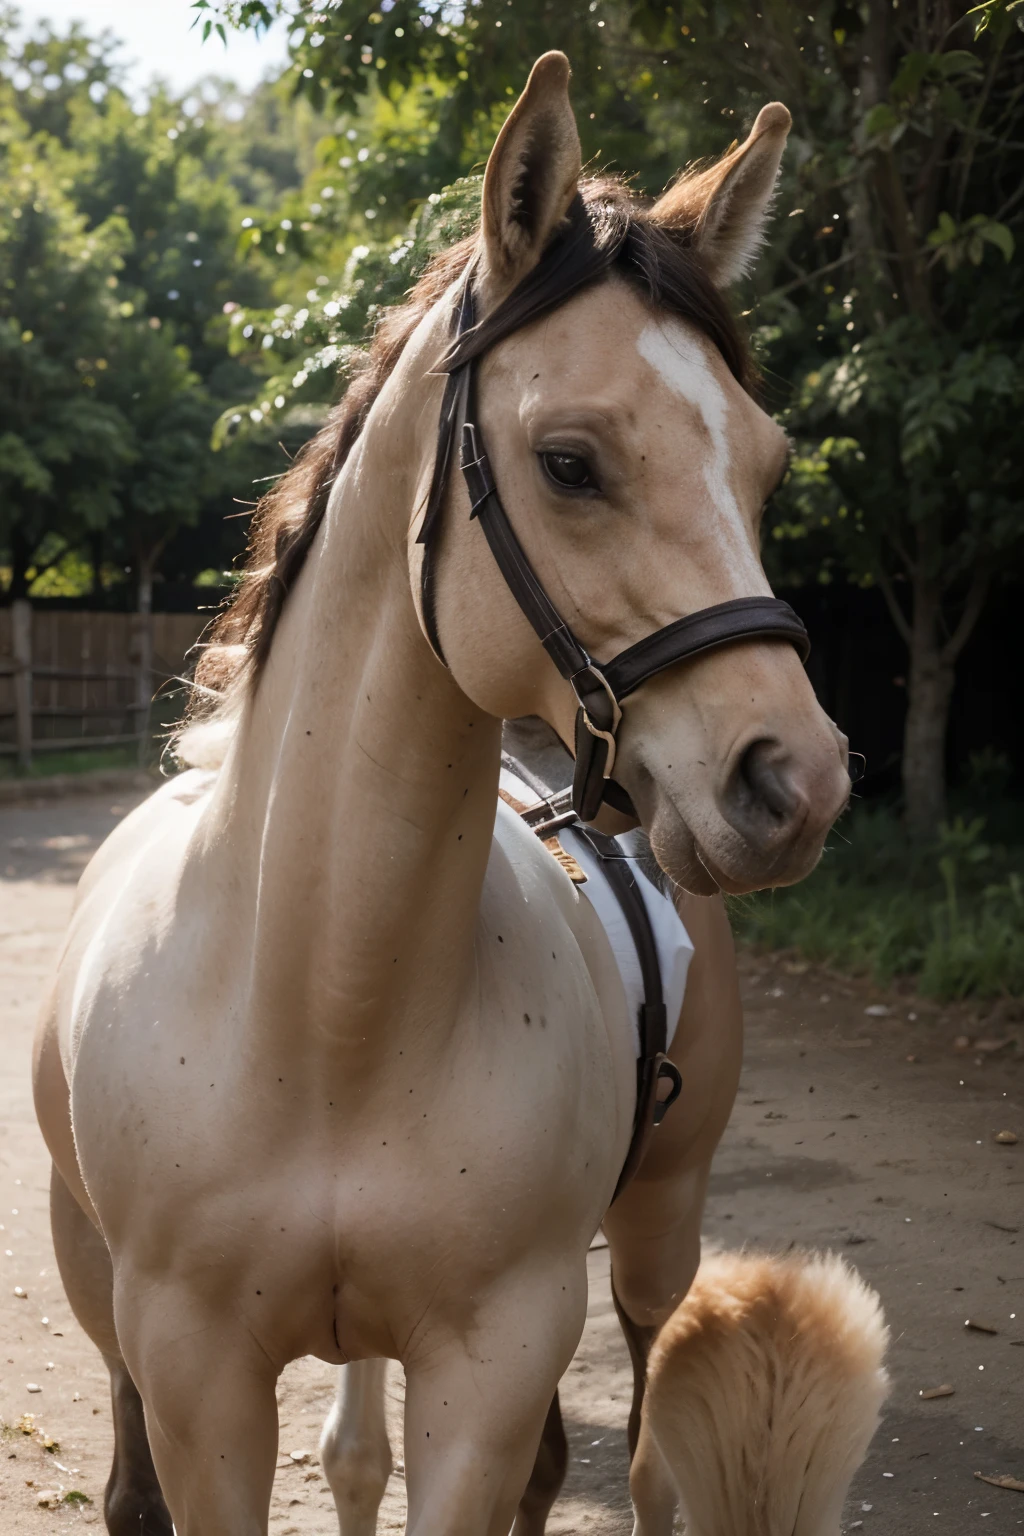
[{"x": 586, "y": 698}]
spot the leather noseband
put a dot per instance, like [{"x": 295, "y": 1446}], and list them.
[{"x": 599, "y": 687}]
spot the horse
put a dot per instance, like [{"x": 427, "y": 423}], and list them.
[{"x": 337, "y": 1060}]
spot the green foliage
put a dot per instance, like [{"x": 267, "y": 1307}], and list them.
[
  {"x": 950, "y": 914},
  {"x": 62, "y": 446},
  {"x": 45, "y": 763},
  {"x": 954, "y": 242},
  {"x": 118, "y": 259},
  {"x": 939, "y": 420},
  {"x": 996, "y": 12},
  {"x": 310, "y": 344}
]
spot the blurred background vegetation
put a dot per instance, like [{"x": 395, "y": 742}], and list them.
[{"x": 184, "y": 282}]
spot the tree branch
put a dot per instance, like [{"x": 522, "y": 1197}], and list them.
[
  {"x": 811, "y": 277},
  {"x": 972, "y": 128},
  {"x": 977, "y": 594},
  {"x": 1014, "y": 198},
  {"x": 896, "y": 613}
]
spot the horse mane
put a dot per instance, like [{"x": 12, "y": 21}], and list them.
[{"x": 660, "y": 262}]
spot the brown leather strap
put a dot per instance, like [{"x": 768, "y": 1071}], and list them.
[
  {"x": 512, "y": 560},
  {"x": 742, "y": 618},
  {"x": 652, "y": 1065}
]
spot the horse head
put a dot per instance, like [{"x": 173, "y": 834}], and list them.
[{"x": 634, "y": 463}]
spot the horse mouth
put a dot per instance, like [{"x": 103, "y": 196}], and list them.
[
  {"x": 735, "y": 868},
  {"x": 683, "y": 860}
]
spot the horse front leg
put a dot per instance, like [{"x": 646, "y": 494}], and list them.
[
  {"x": 208, "y": 1388},
  {"x": 476, "y": 1405}
]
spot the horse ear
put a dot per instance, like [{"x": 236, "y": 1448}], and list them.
[
  {"x": 531, "y": 175},
  {"x": 726, "y": 207}
]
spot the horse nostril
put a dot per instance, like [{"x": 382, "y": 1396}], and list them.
[
  {"x": 763, "y": 783},
  {"x": 779, "y": 798}
]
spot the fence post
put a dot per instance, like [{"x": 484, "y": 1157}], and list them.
[
  {"x": 144, "y": 655},
  {"x": 21, "y": 647}
]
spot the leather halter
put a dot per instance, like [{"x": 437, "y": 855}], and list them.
[{"x": 600, "y": 687}]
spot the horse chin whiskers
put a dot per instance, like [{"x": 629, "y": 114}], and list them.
[{"x": 678, "y": 851}]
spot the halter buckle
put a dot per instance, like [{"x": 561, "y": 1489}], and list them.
[{"x": 597, "y": 720}]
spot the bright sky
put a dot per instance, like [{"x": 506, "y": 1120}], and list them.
[{"x": 158, "y": 40}]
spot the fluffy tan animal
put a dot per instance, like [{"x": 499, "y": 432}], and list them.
[{"x": 764, "y": 1390}]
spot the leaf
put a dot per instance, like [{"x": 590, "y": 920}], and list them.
[
  {"x": 914, "y": 69},
  {"x": 1000, "y": 236},
  {"x": 881, "y": 120},
  {"x": 1005, "y": 1481},
  {"x": 944, "y": 231},
  {"x": 983, "y": 16},
  {"x": 959, "y": 61},
  {"x": 949, "y": 103}
]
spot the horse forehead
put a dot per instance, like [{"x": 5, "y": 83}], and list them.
[
  {"x": 604, "y": 344},
  {"x": 690, "y": 368},
  {"x": 585, "y": 336}
]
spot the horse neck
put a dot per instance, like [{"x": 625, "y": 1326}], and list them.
[{"x": 360, "y": 790}]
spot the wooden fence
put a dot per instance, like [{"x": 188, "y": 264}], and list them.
[{"x": 70, "y": 679}]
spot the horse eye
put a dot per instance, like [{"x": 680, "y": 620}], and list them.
[{"x": 568, "y": 470}]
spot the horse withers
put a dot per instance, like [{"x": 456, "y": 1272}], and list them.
[{"x": 337, "y": 1063}]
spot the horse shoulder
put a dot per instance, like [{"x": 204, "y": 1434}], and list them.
[
  {"x": 564, "y": 956},
  {"x": 136, "y": 868}
]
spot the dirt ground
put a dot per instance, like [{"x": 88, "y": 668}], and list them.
[{"x": 860, "y": 1126}]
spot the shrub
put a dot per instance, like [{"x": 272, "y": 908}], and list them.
[{"x": 950, "y": 916}]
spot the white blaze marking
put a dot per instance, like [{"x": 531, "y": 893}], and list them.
[{"x": 680, "y": 360}]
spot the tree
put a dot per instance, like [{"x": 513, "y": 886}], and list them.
[
  {"x": 118, "y": 259},
  {"x": 917, "y": 303},
  {"x": 62, "y": 447}
]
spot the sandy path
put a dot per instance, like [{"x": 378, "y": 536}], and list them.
[{"x": 838, "y": 1140}]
